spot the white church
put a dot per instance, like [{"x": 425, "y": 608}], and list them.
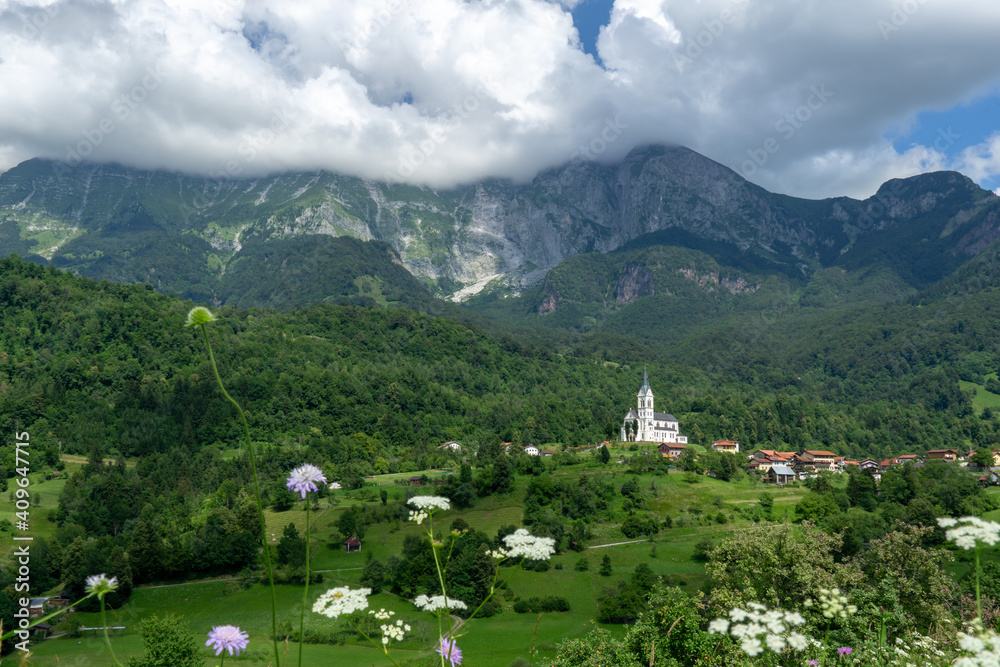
[{"x": 645, "y": 425}]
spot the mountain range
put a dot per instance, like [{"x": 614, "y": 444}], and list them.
[{"x": 304, "y": 237}]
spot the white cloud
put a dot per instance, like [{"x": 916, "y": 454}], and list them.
[{"x": 447, "y": 91}]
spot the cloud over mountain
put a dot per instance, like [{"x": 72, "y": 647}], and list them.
[{"x": 797, "y": 95}]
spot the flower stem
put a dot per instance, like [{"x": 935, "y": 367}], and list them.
[
  {"x": 372, "y": 642},
  {"x": 305, "y": 593},
  {"x": 979, "y": 603},
  {"x": 256, "y": 489},
  {"x": 104, "y": 622},
  {"x": 444, "y": 590}
]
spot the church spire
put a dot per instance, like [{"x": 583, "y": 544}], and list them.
[{"x": 644, "y": 390}]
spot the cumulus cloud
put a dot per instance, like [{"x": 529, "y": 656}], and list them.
[{"x": 796, "y": 95}]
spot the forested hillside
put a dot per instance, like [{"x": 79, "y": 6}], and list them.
[{"x": 91, "y": 364}]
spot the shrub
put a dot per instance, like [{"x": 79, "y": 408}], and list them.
[{"x": 536, "y": 605}]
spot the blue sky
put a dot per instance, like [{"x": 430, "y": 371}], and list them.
[
  {"x": 952, "y": 128},
  {"x": 811, "y": 98},
  {"x": 588, "y": 17}
]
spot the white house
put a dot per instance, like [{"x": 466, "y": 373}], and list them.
[
  {"x": 531, "y": 450},
  {"x": 643, "y": 424},
  {"x": 451, "y": 445}
]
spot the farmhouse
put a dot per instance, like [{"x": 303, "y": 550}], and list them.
[
  {"x": 670, "y": 450},
  {"x": 729, "y": 446},
  {"x": 780, "y": 475},
  {"x": 942, "y": 455},
  {"x": 642, "y": 424},
  {"x": 531, "y": 450},
  {"x": 452, "y": 446}
]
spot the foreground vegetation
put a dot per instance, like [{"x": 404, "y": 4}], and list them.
[{"x": 637, "y": 541}]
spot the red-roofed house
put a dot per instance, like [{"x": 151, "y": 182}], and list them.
[
  {"x": 822, "y": 459},
  {"x": 730, "y": 446}
]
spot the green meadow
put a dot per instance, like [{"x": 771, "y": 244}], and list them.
[{"x": 694, "y": 504}]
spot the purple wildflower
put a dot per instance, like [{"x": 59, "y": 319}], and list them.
[
  {"x": 844, "y": 650},
  {"x": 813, "y": 662},
  {"x": 227, "y": 638},
  {"x": 304, "y": 479},
  {"x": 449, "y": 649}
]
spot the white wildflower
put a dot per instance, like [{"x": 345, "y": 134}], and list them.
[
  {"x": 382, "y": 614},
  {"x": 776, "y": 643},
  {"x": 971, "y": 531},
  {"x": 339, "y": 601},
  {"x": 436, "y": 602},
  {"x": 797, "y": 642},
  {"x": 418, "y": 517},
  {"x": 719, "y": 625},
  {"x": 429, "y": 502},
  {"x": 499, "y": 554},
  {"x": 523, "y": 543},
  {"x": 393, "y": 631},
  {"x": 751, "y": 646}
]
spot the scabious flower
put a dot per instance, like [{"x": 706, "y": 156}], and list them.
[
  {"x": 340, "y": 601},
  {"x": 974, "y": 531},
  {"x": 305, "y": 478},
  {"x": 449, "y": 649},
  {"x": 228, "y": 638},
  {"x": 844, "y": 650},
  {"x": 101, "y": 585},
  {"x": 436, "y": 602},
  {"x": 523, "y": 543},
  {"x": 429, "y": 502},
  {"x": 199, "y": 316}
]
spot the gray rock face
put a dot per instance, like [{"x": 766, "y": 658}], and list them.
[{"x": 488, "y": 231}]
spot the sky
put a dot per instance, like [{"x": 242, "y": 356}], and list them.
[{"x": 813, "y": 98}]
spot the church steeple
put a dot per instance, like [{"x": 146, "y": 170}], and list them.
[{"x": 644, "y": 390}]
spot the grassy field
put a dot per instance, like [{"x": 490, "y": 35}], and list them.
[
  {"x": 982, "y": 398},
  {"x": 495, "y": 642}
]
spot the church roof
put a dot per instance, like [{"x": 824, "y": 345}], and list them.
[
  {"x": 631, "y": 415},
  {"x": 644, "y": 390},
  {"x": 664, "y": 417}
]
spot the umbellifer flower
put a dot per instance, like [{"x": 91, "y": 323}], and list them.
[
  {"x": 305, "y": 478},
  {"x": 523, "y": 543},
  {"x": 449, "y": 649},
  {"x": 435, "y": 602},
  {"x": 199, "y": 316},
  {"x": 227, "y": 638},
  {"x": 429, "y": 502},
  {"x": 101, "y": 584},
  {"x": 974, "y": 531},
  {"x": 339, "y": 601}
]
